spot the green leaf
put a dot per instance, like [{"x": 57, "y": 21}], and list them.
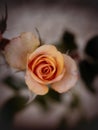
[
  {"x": 88, "y": 72},
  {"x": 91, "y": 48},
  {"x": 54, "y": 95},
  {"x": 67, "y": 42}
]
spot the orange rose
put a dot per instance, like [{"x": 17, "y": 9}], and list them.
[{"x": 47, "y": 66}]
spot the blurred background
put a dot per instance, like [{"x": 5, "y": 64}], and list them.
[{"x": 71, "y": 25}]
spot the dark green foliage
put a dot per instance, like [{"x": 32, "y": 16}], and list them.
[
  {"x": 89, "y": 66},
  {"x": 67, "y": 42},
  {"x": 52, "y": 95},
  {"x": 69, "y": 39},
  {"x": 88, "y": 72},
  {"x": 8, "y": 111},
  {"x": 3, "y": 43},
  {"x": 42, "y": 101},
  {"x": 91, "y": 48},
  {"x": 14, "y": 83},
  {"x": 3, "y": 21}
]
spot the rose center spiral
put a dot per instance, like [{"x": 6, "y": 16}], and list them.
[{"x": 43, "y": 67}]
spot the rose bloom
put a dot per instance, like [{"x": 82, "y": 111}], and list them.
[{"x": 47, "y": 66}]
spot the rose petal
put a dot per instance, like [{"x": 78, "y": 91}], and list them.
[
  {"x": 70, "y": 77},
  {"x": 51, "y": 51},
  {"x": 18, "y": 48},
  {"x": 37, "y": 61},
  {"x": 34, "y": 86}
]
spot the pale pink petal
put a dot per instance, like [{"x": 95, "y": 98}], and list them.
[
  {"x": 18, "y": 48},
  {"x": 70, "y": 77},
  {"x": 34, "y": 86}
]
